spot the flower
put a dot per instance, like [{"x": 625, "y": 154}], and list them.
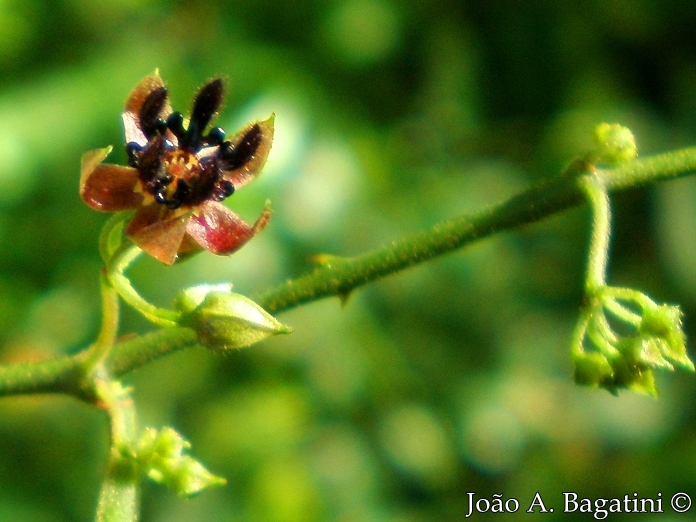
[{"x": 177, "y": 175}]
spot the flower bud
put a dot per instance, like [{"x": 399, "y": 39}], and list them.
[
  {"x": 615, "y": 143},
  {"x": 224, "y": 320},
  {"x": 662, "y": 325},
  {"x": 161, "y": 454},
  {"x": 626, "y": 335},
  {"x": 592, "y": 369},
  {"x": 191, "y": 298}
]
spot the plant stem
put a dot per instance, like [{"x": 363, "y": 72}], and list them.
[
  {"x": 598, "y": 198},
  {"x": 119, "y": 262},
  {"x": 119, "y": 499},
  {"x": 338, "y": 276},
  {"x": 109, "y": 330},
  {"x": 110, "y": 237},
  {"x": 62, "y": 374},
  {"x": 139, "y": 351}
]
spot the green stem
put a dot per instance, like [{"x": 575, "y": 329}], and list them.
[
  {"x": 598, "y": 198},
  {"x": 577, "y": 348},
  {"x": 59, "y": 375},
  {"x": 119, "y": 499},
  {"x": 549, "y": 196},
  {"x": 65, "y": 374},
  {"x": 119, "y": 262},
  {"x": 141, "y": 350},
  {"x": 109, "y": 330},
  {"x": 110, "y": 237},
  {"x": 622, "y": 313},
  {"x": 338, "y": 276}
]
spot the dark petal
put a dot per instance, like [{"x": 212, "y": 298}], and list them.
[
  {"x": 205, "y": 106},
  {"x": 158, "y": 231},
  {"x": 108, "y": 188},
  {"x": 150, "y": 160},
  {"x": 151, "y": 112},
  {"x": 220, "y": 231},
  {"x": 134, "y": 104},
  {"x": 247, "y": 152}
]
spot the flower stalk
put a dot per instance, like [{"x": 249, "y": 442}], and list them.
[{"x": 621, "y": 335}]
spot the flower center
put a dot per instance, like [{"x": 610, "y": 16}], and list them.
[
  {"x": 184, "y": 180},
  {"x": 181, "y": 165}
]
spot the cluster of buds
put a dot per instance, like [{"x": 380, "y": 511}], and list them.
[{"x": 622, "y": 336}]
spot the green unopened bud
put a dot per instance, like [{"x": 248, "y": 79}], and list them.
[
  {"x": 225, "y": 320},
  {"x": 161, "y": 454},
  {"x": 191, "y": 298},
  {"x": 190, "y": 478},
  {"x": 624, "y": 335},
  {"x": 633, "y": 376},
  {"x": 615, "y": 143},
  {"x": 662, "y": 325},
  {"x": 592, "y": 369}
]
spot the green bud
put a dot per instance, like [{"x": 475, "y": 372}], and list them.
[
  {"x": 625, "y": 336},
  {"x": 615, "y": 143},
  {"x": 592, "y": 369},
  {"x": 662, "y": 325},
  {"x": 191, "y": 298},
  {"x": 190, "y": 477},
  {"x": 225, "y": 320},
  {"x": 161, "y": 454},
  {"x": 635, "y": 377}
]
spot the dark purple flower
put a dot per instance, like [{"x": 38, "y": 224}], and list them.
[{"x": 178, "y": 174}]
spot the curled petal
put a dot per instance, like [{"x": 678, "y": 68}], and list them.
[
  {"x": 248, "y": 151},
  {"x": 158, "y": 231},
  {"x": 134, "y": 104},
  {"x": 105, "y": 187},
  {"x": 220, "y": 231}
]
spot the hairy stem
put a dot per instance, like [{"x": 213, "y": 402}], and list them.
[
  {"x": 109, "y": 329},
  {"x": 339, "y": 276},
  {"x": 598, "y": 198},
  {"x": 119, "y": 498},
  {"x": 119, "y": 262}
]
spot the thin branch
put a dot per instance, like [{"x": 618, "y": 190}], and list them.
[
  {"x": 598, "y": 198},
  {"x": 338, "y": 276}
]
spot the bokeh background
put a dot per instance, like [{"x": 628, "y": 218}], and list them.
[{"x": 450, "y": 378}]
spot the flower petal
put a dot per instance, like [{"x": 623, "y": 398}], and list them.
[
  {"x": 105, "y": 187},
  {"x": 158, "y": 231},
  {"x": 248, "y": 152},
  {"x": 205, "y": 107},
  {"x": 188, "y": 247},
  {"x": 136, "y": 98},
  {"x": 220, "y": 231}
]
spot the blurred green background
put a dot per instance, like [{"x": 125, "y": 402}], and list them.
[{"x": 450, "y": 378}]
